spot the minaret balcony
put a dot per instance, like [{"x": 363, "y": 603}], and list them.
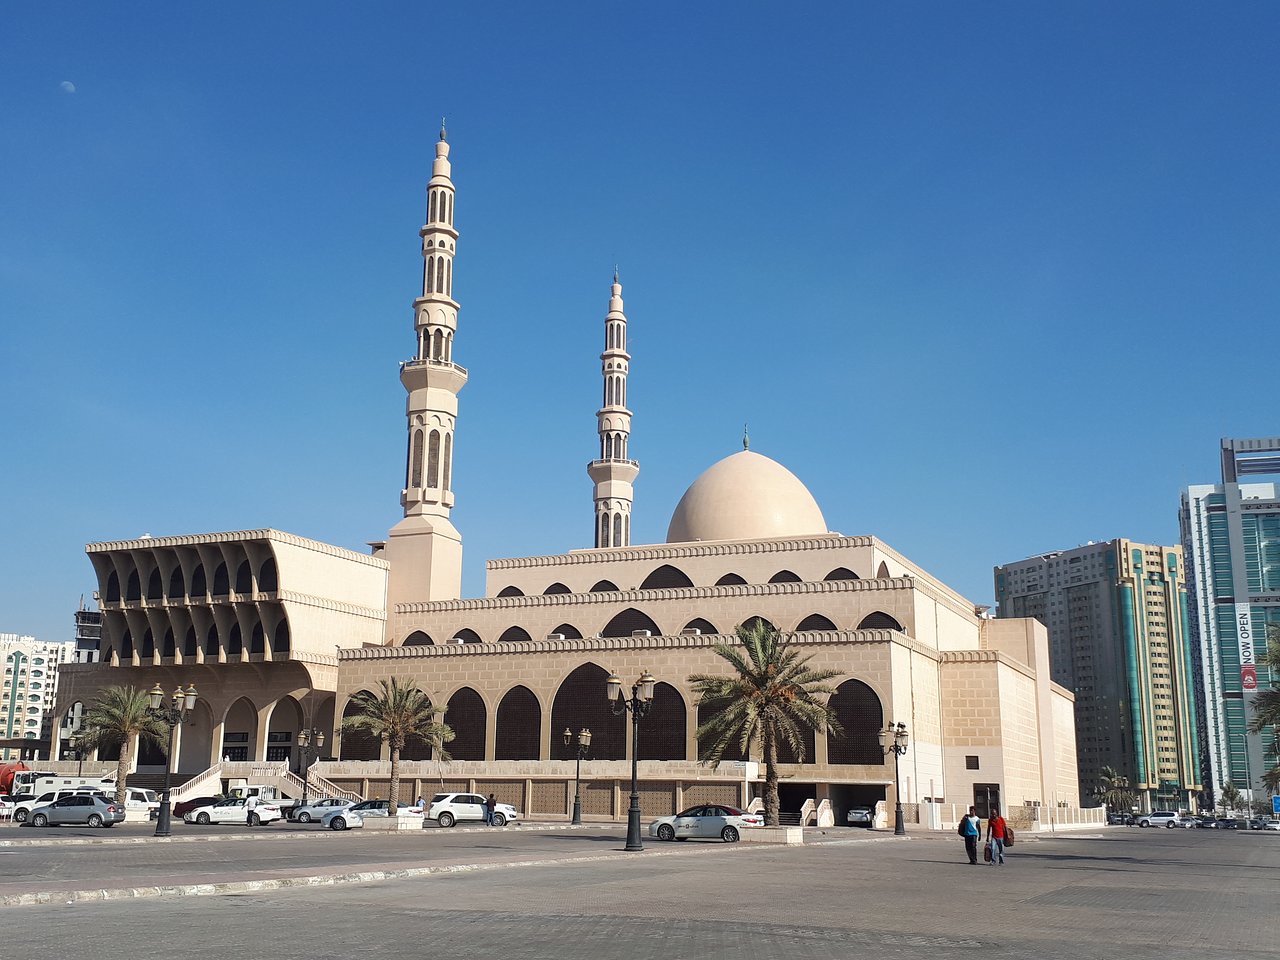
[
  {"x": 421, "y": 374},
  {"x": 613, "y": 469}
]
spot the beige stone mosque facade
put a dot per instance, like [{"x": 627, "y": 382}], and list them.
[{"x": 278, "y": 632}]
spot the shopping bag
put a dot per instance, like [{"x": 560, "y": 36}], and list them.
[{"x": 986, "y": 852}]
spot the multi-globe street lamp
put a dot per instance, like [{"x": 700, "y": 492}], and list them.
[
  {"x": 584, "y": 743},
  {"x": 312, "y": 742},
  {"x": 638, "y": 705},
  {"x": 894, "y": 739},
  {"x": 176, "y": 713}
]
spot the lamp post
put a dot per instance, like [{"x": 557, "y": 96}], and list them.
[
  {"x": 894, "y": 739},
  {"x": 312, "y": 742},
  {"x": 177, "y": 712},
  {"x": 639, "y": 703},
  {"x": 584, "y": 741},
  {"x": 76, "y": 743}
]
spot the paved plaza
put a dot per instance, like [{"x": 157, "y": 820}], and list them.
[{"x": 1131, "y": 893}]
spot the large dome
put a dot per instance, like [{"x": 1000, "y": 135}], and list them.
[{"x": 745, "y": 497}]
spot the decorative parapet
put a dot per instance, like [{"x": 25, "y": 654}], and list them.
[
  {"x": 235, "y": 536},
  {"x": 986, "y": 656},
  {"x": 675, "y": 551}
]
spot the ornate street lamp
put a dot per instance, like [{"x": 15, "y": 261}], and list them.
[
  {"x": 76, "y": 743},
  {"x": 176, "y": 713},
  {"x": 638, "y": 705},
  {"x": 894, "y": 739},
  {"x": 584, "y": 742},
  {"x": 312, "y": 742}
]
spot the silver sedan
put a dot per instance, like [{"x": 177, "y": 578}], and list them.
[{"x": 317, "y": 810}]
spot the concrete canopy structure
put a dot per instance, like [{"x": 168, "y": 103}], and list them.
[{"x": 515, "y": 668}]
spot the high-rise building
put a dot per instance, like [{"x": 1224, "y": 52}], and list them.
[
  {"x": 1231, "y": 536},
  {"x": 1118, "y": 639},
  {"x": 88, "y": 634},
  {"x": 28, "y": 693}
]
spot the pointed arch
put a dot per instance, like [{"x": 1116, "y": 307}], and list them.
[
  {"x": 148, "y": 645},
  {"x": 859, "y": 711},
  {"x": 879, "y": 620},
  {"x": 815, "y": 621},
  {"x": 751, "y": 622},
  {"x": 280, "y": 641},
  {"x": 841, "y": 573},
  {"x": 433, "y": 459},
  {"x": 617, "y": 530},
  {"x": 665, "y": 738},
  {"x": 437, "y": 345},
  {"x": 628, "y": 623},
  {"x": 211, "y": 643},
  {"x": 169, "y": 646},
  {"x": 235, "y": 640},
  {"x": 155, "y": 587},
  {"x": 666, "y": 576},
  {"x": 415, "y": 460},
  {"x": 244, "y": 577},
  {"x": 199, "y": 585},
  {"x": 882, "y": 571},
  {"x": 221, "y": 582},
  {"x": 258, "y": 639},
  {"x": 418, "y": 638},
  {"x": 440, "y": 275},
  {"x": 466, "y": 716},
  {"x": 730, "y": 580},
  {"x": 568, "y": 631},
  {"x": 784, "y": 576},
  {"x": 446, "y": 472},
  {"x": 511, "y": 591},
  {"x": 358, "y": 744},
  {"x": 177, "y": 586},
  {"x": 268, "y": 577},
  {"x": 604, "y": 586},
  {"x": 133, "y": 590},
  {"x": 700, "y": 625},
  {"x": 113, "y": 587},
  {"x": 517, "y": 725},
  {"x": 581, "y": 701},
  {"x": 604, "y": 531},
  {"x": 431, "y": 206},
  {"x": 190, "y": 644},
  {"x": 556, "y": 588},
  {"x": 240, "y": 730},
  {"x": 515, "y": 635},
  {"x": 466, "y": 635}
]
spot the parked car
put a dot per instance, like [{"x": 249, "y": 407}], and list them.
[
  {"x": 317, "y": 810},
  {"x": 181, "y": 808},
  {"x": 1205, "y": 822},
  {"x": 1165, "y": 818},
  {"x": 711, "y": 820},
  {"x": 860, "y": 817},
  {"x": 1121, "y": 819},
  {"x": 235, "y": 810},
  {"x": 348, "y": 818},
  {"x": 88, "y": 809},
  {"x": 1256, "y": 823},
  {"x": 447, "y": 809},
  {"x": 1230, "y": 823},
  {"x": 1271, "y": 825}
]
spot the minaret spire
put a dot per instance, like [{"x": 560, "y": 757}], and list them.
[
  {"x": 424, "y": 549},
  {"x": 613, "y": 473}
]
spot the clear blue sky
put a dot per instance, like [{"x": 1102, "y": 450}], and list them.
[{"x": 992, "y": 279}]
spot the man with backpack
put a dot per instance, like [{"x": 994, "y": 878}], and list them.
[{"x": 969, "y": 828}]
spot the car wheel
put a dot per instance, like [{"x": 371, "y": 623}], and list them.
[
  {"x": 39, "y": 820},
  {"x": 446, "y": 819},
  {"x": 665, "y": 832},
  {"x": 337, "y": 823},
  {"x": 254, "y": 820},
  {"x": 20, "y": 816},
  {"x": 202, "y": 819},
  {"x": 304, "y": 818},
  {"x": 499, "y": 820},
  {"x": 1144, "y": 824},
  {"x": 1170, "y": 825},
  {"x": 95, "y": 820},
  {"x": 729, "y": 834}
]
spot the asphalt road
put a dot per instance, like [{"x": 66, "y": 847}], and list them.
[{"x": 1172, "y": 895}]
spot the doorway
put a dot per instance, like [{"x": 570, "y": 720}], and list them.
[{"x": 986, "y": 797}]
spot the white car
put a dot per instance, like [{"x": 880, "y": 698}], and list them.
[
  {"x": 235, "y": 810},
  {"x": 447, "y": 809},
  {"x": 1165, "y": 818},
  {"x": 709, "y": 820},
  {"x": 317, "y": 810},
  {"x": 1271, "y": 824},
  {"x": 354, "y": 815}
]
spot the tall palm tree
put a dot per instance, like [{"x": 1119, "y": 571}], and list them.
[
  {"x": 397, "y": 715},
  {"x": 1229, "y": 796},
  {"x": 1113, "y": 789},
  {"x": 771, "y": 697},
  {"x": 1266, "y": 705},
  {"x": 115, "y": 718}
]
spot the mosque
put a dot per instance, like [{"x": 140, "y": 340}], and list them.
[{"x": 278, "y": 631}]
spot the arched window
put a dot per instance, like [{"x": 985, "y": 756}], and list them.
[
  {"x": 511, "y": 592},
  {"x": 199, "y": 587},
  {"x": 258, "y": 639},
  {"x": 148, "y": 646},
  {"x": 699, "y": 625},
  {"x": 730, "y": 580},
  {"x": 433, "y": 459},
  {"x": 431, "y": 274},
  {"x": 568, "y": 631},
  {"x": 448, "y": 278},
  {"x": 357, "y": 742},
  {"x": 815, "y": 621},
  {"x": 126, "y": 646},
  {"x": 518, "y": 725},
  {"x": 155, "y": 586},
  {"x": 604, "y": 586},
  {"x": 841, "y": 573},
  {"x": 437, "y": 345},
  {"x": 666, "y": 576},
  {"x": 280, "y": 641},
  {"x": 784, "y": 576},
  {"x": 190, "y": 644},
  {"x": 450, "y": 209},
  {"x": 751, "y": 622},
  {"x": 466, "y": 717},
  {"x": 431, "y": 207},
  {"x": 415, "y": 461},
  {"x": 608, "y": 446},
  {"x": 705, "y": 742},
  {"x": 221, "y": 582},
  {"x": 113, "y": 586},
  {"x": 418, "y": 639},
  {"x": 268, "y": 581},
  {"x": 604, "y": 529},
  {"x": 211, "y": 643},
  {"x": 882, "y": 572},
  {"x": 177, "y": 587},
  {"x": 665, "y": 740},
  {"x": 858, "y": 711},
  {"x": 244, "y": 578},
  {"x": 617, "y": 530},
  {"x": 879, "y": 621},
  {"x": 467, "y": 636},
  {"x": 628, "y": 622},
  {"x": 447, "y": 472},
  {"x": 515, "y": 635},
  {"x": 134, "y": 589},
  {"x": 581, "y": 702},
  {"x": 235, "y": 642},
  {"x": 440, "y": 275},
  {"x": 168, "y": 647},
  {"x": 556, "y": 588}
]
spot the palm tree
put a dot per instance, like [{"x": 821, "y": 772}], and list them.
[
  {"x": 771, "y": 696},
  {"x": 115, "y": 718},
  {"x": 397, "y": 715},
  {"x": 1113, "y": 789},
  {"x": 1229, "y": 796},
  {"x": 1266, "y": 705}
]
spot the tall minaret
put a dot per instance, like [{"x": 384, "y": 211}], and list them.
[
  {"x": 424, "y": 549},
  {"x": 614, "y": 473}
]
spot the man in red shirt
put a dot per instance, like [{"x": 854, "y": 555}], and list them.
[{"x": 995, "y": 836}]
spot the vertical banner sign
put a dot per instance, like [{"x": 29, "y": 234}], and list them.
[{"x": 1244, "y": 636}]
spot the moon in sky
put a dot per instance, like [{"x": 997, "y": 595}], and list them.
[{"x": 66, "y": 86}]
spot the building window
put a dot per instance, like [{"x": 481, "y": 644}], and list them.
[{"x": 971, "y": 763}]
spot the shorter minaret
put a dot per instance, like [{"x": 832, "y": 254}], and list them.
[{"x": 613, "y": 473}]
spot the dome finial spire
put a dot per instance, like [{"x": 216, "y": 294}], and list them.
[
  {"x": 443, "y": 132},
  {"x": 615, "y": 273},
  {"x": 746, "y": 438}
]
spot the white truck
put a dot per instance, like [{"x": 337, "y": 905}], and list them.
[{"x": 266, "y": 792}]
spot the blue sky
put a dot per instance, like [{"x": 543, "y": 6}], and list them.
[{"x": 992, "y": 279}]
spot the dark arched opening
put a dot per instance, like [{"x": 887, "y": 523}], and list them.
[
  {"x": 662, "y": 734},
  {"x": 466, "y": 635},
  {"x": 556, "y": 588},
  {"x": 841, "y": 573},
  {"x": 665, "y": 577},
  {"x": 258, "y": 639},
  {"x": 133, "y": 591},
  {"x": 752, "y": 622},
  {"x": 113, "y": 587},
  {"x": 280, "y": 641},
  {"x": 784, "y": 576},
  {"x": 169, "y": 646},
  {"x": 628, "y": 623},
  {"x": 857, "y": 709},
  {"x": 815, "y": 621},
  {"x": 699, "y": 625},
  {"x": 730, "y": 580},
  {"x": 604, "y": 586},
  {"x": 879, "y": 621},
  {"x": 211, "y": 643},
  {"x": 221, "y": 583},
  {"x": 418, "y": 639},
  {"x": 268, "y": 577},
  {"x": 357, "y": 743},
  {"x": 882, "y": 572},
  {"x": 190, "y": 644},
  {"x": 568, "y": 631},
  {"x": 582, "y": 701},
  {"x": 148, "y": 646},
  {"x": 155, "y": 586},
  {"x": 199, "y": 587},
  {"x": 515, "y": 635},
  {"x": 177, "y": 588},
  {"x": 466, "y": 716},
  {"x": 518, "y": 726},
  {"x": 705, "y": 714},
  {"x": 126, "y": 646},
  {"x": 235, "y": 640},
  {"x": 244, "y": 577},
  {"x": 511, "y": 592}
]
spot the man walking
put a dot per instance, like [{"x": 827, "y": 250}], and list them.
[
  {"x": 970, "y": 830},
  {"x": 488, "y": 809},
  {"x": 996, "y": 832}
]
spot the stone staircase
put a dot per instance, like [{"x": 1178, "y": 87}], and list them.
[{"x": 277, "y": 775}]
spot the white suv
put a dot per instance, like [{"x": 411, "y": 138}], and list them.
[
  {"x": 447, "y": 809},
  {"x": 1164, "y": 818}
]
